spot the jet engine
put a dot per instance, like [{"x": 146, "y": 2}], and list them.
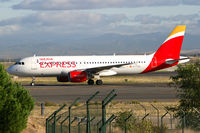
[{"x": 73, "y": 76}]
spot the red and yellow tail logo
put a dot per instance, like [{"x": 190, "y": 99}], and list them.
[
  {"x": 170, "y": 49},
  {"x": 178, "y": 31}
]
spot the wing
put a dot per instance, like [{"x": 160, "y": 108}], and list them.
[{"x": 98, "y": 69}]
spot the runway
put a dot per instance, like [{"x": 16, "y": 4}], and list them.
[
  {"x": 60, "y": 93},
  {"x": 68, "y": 93}
]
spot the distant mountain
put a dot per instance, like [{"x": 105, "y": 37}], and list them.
[{"x": 17, "y": 46}]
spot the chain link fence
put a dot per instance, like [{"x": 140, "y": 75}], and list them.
[{"x": 100, "y": 117}]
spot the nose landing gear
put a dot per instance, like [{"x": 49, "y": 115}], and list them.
[{"x": 33, "y": 81}]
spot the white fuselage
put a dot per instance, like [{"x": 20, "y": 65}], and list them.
[{"x": 44, "y": 66}]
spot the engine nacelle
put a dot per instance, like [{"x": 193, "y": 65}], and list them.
[
  {"x": 77, "y": 76},
  {"x": 74, "y": 76}
]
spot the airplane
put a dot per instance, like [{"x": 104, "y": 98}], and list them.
[{"x": 88, "y": 68}]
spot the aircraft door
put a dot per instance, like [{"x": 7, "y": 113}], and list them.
[{"x": 34, "y": 64}]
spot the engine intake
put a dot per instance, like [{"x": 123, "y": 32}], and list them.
[{"x": 63, "y": 78}]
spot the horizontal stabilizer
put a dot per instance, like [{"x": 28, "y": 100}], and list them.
[{"x": 181, "y": 60}]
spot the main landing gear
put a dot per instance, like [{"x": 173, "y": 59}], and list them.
[
  {"x": 33, "y": 81},
  {"x": 98, "y": 82},
  {"x": 90, "y": 82}
]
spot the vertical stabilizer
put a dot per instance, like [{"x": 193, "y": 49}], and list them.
[{"x": 169, "y": 50}]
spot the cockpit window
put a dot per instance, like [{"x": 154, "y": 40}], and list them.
[{"x": 19, "y": 63}]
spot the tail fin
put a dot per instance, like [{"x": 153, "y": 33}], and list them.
[
  {"x": 169, "y": 50},
  {"x": 172, "y": 45}
]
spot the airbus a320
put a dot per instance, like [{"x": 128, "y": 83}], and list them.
[{"x": 88, "y": 68}]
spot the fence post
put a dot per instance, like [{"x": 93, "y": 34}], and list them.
[
  {"x": 42, "y": 109},
  {"x": 109, "y": 127},
  {"x": 70, "y": 113},
  {"x": 109, "y": 120},
  {"x": 55, "y": 120},
  {"x": 145, "y": 110},
  {"x": 52, "y": 123},
  {"x": 98, "y": 123},
  {"x": 183, "y": 121},
  {"x": 53, "y": 116},
  {"x": 88, "y": 112},
  {"x": 47, "y": 121},
  {"x": 79, "y": 128},
  {"x": 104, "y": 103},
  {"x": 170, "y": 117},
  {"x": 61, "y": 130},
  {"x": 79, "y": 123},
  {"x": 126, "y": 121},
  {"x": 162, "y": 121},
  {"x": 110, "y": 124},
  {"x": 157, "y": 114}
]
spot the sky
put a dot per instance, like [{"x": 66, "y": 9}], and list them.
[{"x": 28, "y": 19}]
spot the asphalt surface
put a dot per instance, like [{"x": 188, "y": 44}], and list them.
[{"x": 59, "y": 93}]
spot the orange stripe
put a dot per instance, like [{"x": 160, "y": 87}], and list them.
[{"x": 179, "y": 28}]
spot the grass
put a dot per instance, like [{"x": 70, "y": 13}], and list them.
[
  {"x": 7, "y": 64},
  {"x": 136, "y": 79},
  {"x": 113, "y": 79}
]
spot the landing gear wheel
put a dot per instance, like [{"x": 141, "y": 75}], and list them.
[
  {"x": 99, "y": 82},
  {"x": 32, "y": 84},
  {"x": 90, "y": 82}
]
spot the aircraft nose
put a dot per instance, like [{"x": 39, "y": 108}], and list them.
[{"x": 10, "y": 70}]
